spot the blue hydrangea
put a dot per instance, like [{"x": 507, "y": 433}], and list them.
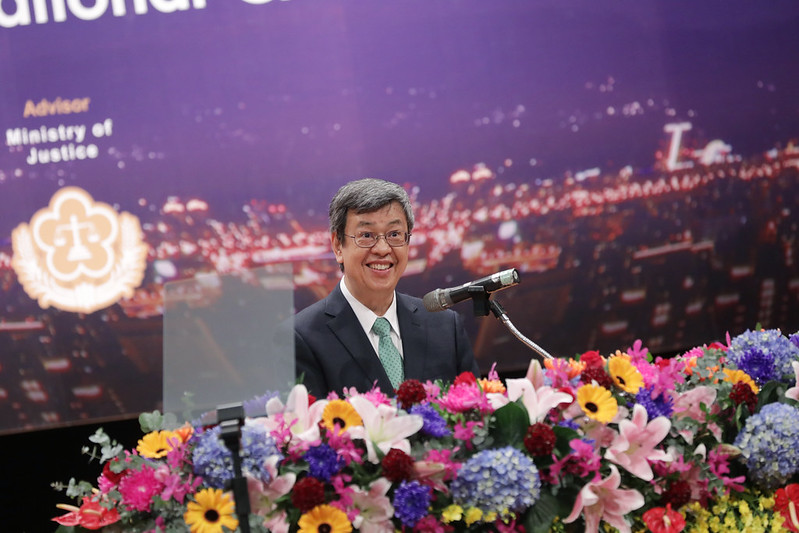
[
  {"x": 214, "y": 462},
  {"x": 768, "y": 445},
  {"x": 257, "y": 406},
  {"x": 503, "y": 480},
  {"x": 434, "y": 423},
  {"x": 323, "y": 462},
  {"x": 662, "y": 405},
  {"x": 411, "y": 500},
  {"x": 764, "y": 355},
  {"x": 794, "y": 339}
]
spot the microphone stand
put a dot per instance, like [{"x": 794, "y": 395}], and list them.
[
  {"x": 231, "y": 418},
  {"x": 483, "y": 303}
]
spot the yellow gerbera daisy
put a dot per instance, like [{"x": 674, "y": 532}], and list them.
[
  {"x": 736, "y": 376},
  {"x": 624, "y": 374},
  {"x": 341, "y": 413},
  {"x": 597, "y": 403},
  {"x": 157, "y": 443},
  {"x": 211, "y": 510},
  {"x": 324, "y": 518}
]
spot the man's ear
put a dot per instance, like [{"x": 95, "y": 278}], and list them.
[{"x": 335, "y": 244}]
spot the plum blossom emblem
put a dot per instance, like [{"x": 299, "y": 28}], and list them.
[{"x": 77, "y": 254}]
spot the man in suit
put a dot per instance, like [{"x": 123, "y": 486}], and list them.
[{"x": 337, "y": 341}]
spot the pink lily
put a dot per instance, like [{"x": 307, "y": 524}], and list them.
[
  {"x": 264, "y": 496},
  {"x": 382, "y": 428},
  {"x": 535, "y": 374},
  {"x": 604, "y": 500},
  {"x": 375, "y": 508},
  {"x": 689, "y": 404},
  {"x": 301, "y": 418},
  {"x": 634, "y": 446}
]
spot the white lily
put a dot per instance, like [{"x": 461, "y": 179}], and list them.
[
  {"x": 382, "y": 429},
  {"x": 538, "y": 401}
]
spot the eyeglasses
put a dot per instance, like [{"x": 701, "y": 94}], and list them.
[{"x": 367, "y": 239}]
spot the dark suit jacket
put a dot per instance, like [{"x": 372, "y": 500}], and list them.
[{"x": 333, "y": 351}]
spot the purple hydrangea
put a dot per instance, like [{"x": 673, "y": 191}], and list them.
[
  {"x": 794, "y": 339},
  {"x": 503, "y": 480},
  {"x": 768, "y": 445},
  {"x": 214, "y": 462},
  {"x": 411, "y": 500},
  {"x": 434, "y": 423},
  {"x": 323, "y": 462},
  {"x": 257, "y": 406},
  {"x": 660, "y": 405},
  {"x": 765, "y": 355}
]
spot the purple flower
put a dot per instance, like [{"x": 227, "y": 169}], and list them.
[
  {"x": 660, "y": 405},
  {"x": 765, "y": 355},
  {"x": 411, "y": 500},
  {"x": 214, "y": 462},
  {"x": 768, "y": 444},
  {"x": 323, "y": 462},
  {"x": 434, "y": 423},
  {"x": 503, "y": 480},
  {"x": 257, "y": 406},
  {"x": 794, "y": 339}
]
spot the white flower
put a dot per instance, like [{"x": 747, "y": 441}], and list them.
[{"x": 382, "y": 428}]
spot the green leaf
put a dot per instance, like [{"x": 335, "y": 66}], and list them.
[
  {"x": 510, "y": 425},
  {"x": 540, "y": 517},
  {"x": 564, "y": 436},
  {"x": 150, "y": 422},
  {"x": 771, "y": 392}
]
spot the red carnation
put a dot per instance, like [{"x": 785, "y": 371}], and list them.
[
  {"x": 410, "y": 392},
  {"x": 307, "y": 494},
  {"x": 598, "y": 374},
  {"x": 110, "y": 475},
  {"x": 592, "y": 359},
  {"x": 743, "y": 393},
  {"x": 465, "y": 378},
  {"x": 397, "y": 465},
  {"x": 540, "y": 440},
  {"x": 677, "y": 494}
]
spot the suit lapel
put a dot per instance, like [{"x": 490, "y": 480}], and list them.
[
  {"x": 345, "y": 326},
  {"x": 414, "y": 338}
]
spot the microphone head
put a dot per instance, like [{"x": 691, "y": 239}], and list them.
[{"x": 432, "y": 302}]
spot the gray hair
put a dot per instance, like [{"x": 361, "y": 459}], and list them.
[{"x": 365, "y": 196}]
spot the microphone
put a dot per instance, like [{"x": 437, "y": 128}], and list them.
[{"x": 441, "y": 299}]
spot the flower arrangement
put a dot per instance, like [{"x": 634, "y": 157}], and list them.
[{"x": 706, "y": 441}]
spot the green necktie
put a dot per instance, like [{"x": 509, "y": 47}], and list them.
[{"x": 388, "y": 353}]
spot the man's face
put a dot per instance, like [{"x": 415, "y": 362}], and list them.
[{"x": 371, "y": 274}]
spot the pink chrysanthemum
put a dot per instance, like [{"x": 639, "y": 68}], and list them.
[
  {"x": 138, "y": 489},
  {"x": 465, "y": 397}
]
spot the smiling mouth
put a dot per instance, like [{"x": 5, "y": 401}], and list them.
[{"x": 380, "y": 267}]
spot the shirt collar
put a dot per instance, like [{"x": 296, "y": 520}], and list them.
[{"x": 366, "y": 316}]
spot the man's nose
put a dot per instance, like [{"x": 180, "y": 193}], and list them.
[{"x": 381, "y": 245}]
